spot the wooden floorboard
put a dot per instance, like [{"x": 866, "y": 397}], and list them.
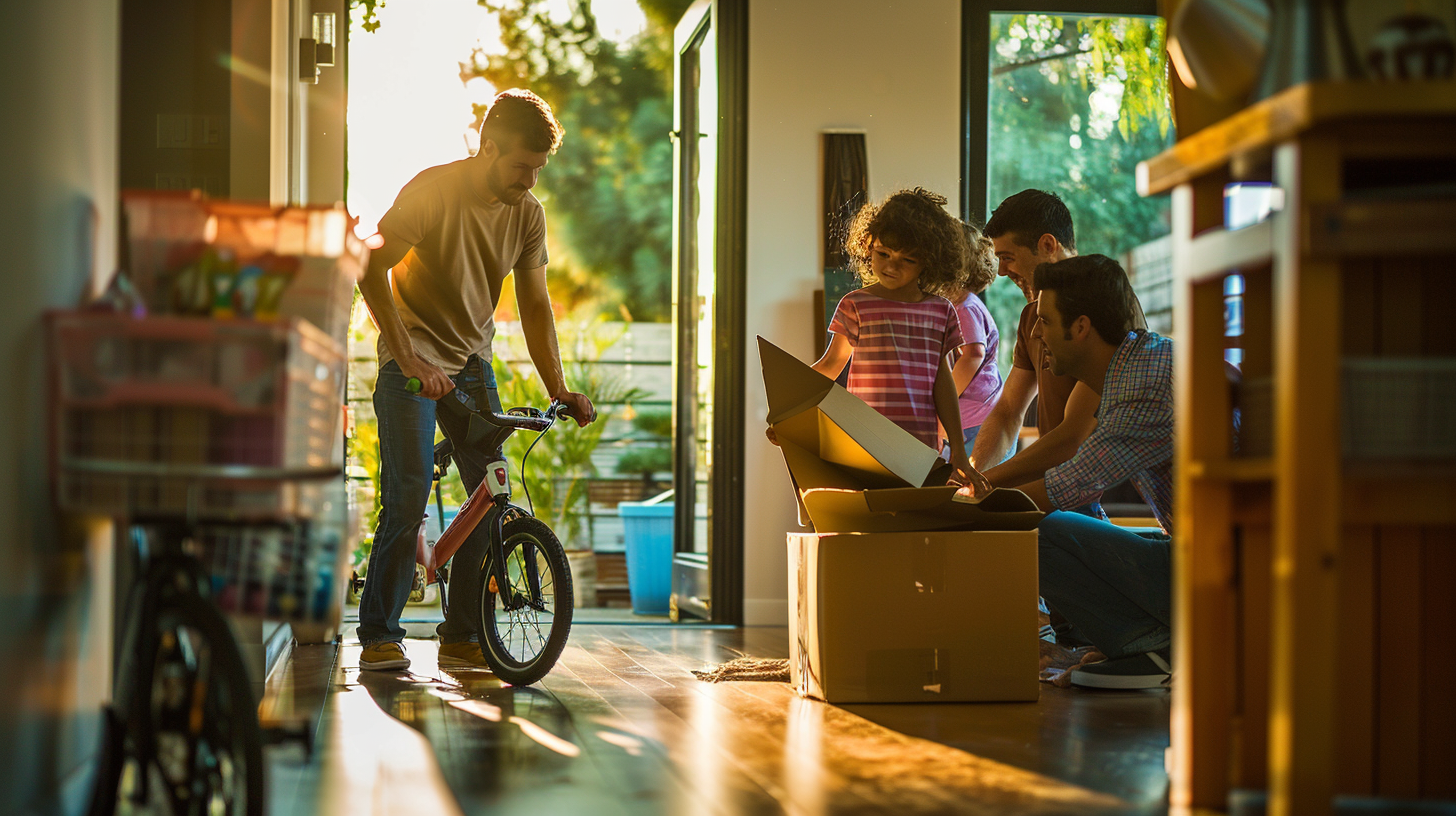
[{"x": 623, "y": 727}]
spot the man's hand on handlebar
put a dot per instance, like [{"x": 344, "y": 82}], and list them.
[
  {"x": 580, "y": 408},
  {"x": 434, "y": 382}
]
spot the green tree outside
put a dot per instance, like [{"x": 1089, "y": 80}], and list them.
[
  {"x": 608, "y": 193},
  {"x": 1076, "y": 103}
]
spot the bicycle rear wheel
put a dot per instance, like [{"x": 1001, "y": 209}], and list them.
[
  {"x": 521, "y": 637},
  {"x": 190, "y": 743}
]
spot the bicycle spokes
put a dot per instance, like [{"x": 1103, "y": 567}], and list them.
[{"x": 524, "y": 621}]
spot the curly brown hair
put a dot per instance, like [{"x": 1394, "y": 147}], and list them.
[
  {"x": 980, "y": 269},
  {"x": 910, "y": 221}
]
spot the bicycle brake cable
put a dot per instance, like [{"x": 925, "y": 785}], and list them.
[{"x": 526, "y": 488}]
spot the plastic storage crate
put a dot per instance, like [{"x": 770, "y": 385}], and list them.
[
  {"x": 165, "y": 229},
  {"x": 1399, "y": 408},
  {"x": 196, "y": 396}
]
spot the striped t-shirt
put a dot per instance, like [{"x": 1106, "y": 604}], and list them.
[{"x": 897, "y": 352}]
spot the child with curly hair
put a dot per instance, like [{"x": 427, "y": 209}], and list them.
[
  {"x": 973, "y": 365},
  {"x": 898, "y": 330}
]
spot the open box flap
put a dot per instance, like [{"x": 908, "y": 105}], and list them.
[
  {"x": 821, "y": 417},
  {"x": 854, "y": 470}
]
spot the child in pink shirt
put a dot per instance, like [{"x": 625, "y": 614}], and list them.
[
  {"x": 896, "y": 332},
  {"x": 973, "y": 365}
]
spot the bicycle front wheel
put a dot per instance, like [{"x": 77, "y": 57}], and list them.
[{"x": 524, "y": 625}]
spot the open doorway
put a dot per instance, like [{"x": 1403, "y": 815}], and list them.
[{"x": 421, "y": 75}]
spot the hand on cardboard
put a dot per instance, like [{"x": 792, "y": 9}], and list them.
[
  {"x": 769, "y": 432},
  {"x": 972, "y": 481}
]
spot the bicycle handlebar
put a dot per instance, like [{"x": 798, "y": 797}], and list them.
[{"x": 510, "y": 418}]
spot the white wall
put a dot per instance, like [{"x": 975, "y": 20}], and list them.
[
  {"x": 889, "y": 68},
  {"x": 58, "y": 177}
]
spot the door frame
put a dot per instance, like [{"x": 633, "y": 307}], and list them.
[
  {"x": 976, "y": 79},
  {"x": 729, "y": 253}
]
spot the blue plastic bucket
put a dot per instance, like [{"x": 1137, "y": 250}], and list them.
[{"x": 648, "y": 530}]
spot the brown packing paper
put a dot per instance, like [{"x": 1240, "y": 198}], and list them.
[
  {"x": 854, "y": 470},
  {"x": 913, "y": 616}
]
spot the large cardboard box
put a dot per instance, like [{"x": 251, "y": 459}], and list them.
[
  {"x": 947, "y": 616},
  {"x": 856, "y": 471}
]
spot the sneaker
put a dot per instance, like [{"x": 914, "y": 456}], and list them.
[
  {"x": 1145, "y": 671},
  {"x": 383, "y": 657},
  {"x": 465, "y": 655}
]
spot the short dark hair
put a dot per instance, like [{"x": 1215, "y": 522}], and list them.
[
  {"x": 1029, "y": 215},
  {"x": 520, "y": 118},
  {"x": 911, "y": 221},
  {"x": 1095, "y": 286}
]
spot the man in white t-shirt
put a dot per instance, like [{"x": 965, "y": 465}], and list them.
[{"x": 434, "y": 278}]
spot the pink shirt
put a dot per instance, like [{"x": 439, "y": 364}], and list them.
[
  {"x": 897, "y": 352},
  {"x": 977, "y": 326}
]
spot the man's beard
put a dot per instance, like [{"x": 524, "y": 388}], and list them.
[{"x": 510, "y": 194}]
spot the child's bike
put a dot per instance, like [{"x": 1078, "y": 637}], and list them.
[{"x": 525, "y": 582}]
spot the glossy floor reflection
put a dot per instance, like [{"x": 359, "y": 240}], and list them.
[{"x": 622, "y": 727}]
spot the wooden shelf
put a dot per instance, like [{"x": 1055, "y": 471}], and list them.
[
  {"x": 1375, "y": 226},
  {"x": 1259, "y": 469},
  {"x": 1286, "y": 115},
  {"x": 1216, "y": 252},
  {"x": 1313, "y": 589},
  {"x": 1393, "y": 494}
]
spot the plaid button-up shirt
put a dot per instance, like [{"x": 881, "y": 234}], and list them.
[{"x": 1134, "y": 434}]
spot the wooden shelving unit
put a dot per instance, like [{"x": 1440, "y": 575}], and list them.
[{"x": 1315, "y": 595}]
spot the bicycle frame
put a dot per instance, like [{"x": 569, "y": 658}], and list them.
[{"x": 488, "y": 505}]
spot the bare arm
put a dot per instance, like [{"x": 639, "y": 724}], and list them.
[
  {"x": 968, "y": 365},
  {"x": 835, "y": 357},
  {"x": 538, "y": 323},
  {"x": 1059, "y": 445},
  {"x": 1003, "y": 425},
  {"x": 948, "y": 410},
  {"x": 434, "y": 382}
]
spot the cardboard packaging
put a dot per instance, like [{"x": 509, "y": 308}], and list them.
[
  {"x": 905, "y": 617},
  {"x": 906, "y": 592},
  {"x": 856, "y": 471}
]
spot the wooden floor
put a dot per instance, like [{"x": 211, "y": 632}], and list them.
[{"x": 622, "y": 727}]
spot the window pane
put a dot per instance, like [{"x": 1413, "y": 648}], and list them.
[{"x": 1075, "y": 103}]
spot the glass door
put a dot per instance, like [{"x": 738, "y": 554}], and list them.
[{"x": 695, "y": 307}]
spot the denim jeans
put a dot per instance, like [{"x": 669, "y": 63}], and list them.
[
  {"x": 1112, "y": 584},
  {"x": 406, "y": 467}
]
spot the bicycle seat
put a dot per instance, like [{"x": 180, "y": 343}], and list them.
[{"x": 486, "y": 429}]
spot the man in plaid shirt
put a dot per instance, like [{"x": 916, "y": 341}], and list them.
[{"x": 1112, "y": 584}]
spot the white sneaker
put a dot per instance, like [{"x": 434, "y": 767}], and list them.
[{"x": 1145, "y": 671}]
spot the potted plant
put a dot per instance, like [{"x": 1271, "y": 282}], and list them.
[{"x": 653, "y": 452}]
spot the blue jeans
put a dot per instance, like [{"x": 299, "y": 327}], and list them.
[
  {"x": 1112, "y": 584},
  {"x": 406, "y": 469}
]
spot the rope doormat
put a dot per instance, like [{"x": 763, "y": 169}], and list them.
[{"x": 759, "y": 669}]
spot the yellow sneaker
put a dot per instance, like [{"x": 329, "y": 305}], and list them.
[
  {"x": 383, "y": 657},
  {"x": 462, "y": 655}
]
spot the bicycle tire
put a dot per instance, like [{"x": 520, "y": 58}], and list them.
[
  {"x": 521, "y": 665},
  {"x": 229, "y": 716}
]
